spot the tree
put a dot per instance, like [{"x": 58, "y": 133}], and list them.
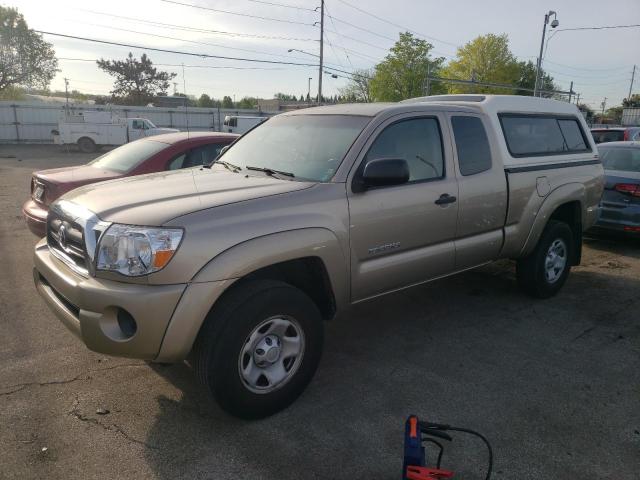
[
  {"x": 285, "y": 97},
  {"x": 487, "y": 58},
  {"x": 227, "y": 102},
  {"x": 613, "y": 114},
  {"x": 25, "y": 58},
  {"x": 137, "y": 82},
  {"x": 527, "y": 79},
  {"x": 359, "y": 87},
  {"x": 632, "y": 101},
  {"x": 403, "y": 72},
  {"x": 586, "y": 111},
  {"x": 248, "y": 102},
  {"x": 205, "y": 101}
]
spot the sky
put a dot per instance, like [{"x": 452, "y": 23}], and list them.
[{"x": 599, "y": 62}]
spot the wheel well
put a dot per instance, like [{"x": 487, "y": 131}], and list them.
[
  {"x": 571, "y": 214},
  {"x": 309, "y": 275}
]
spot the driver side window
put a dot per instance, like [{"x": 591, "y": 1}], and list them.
[{"x": 418, "y": 142}]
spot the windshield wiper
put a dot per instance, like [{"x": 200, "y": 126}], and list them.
[
  {"x": 229, "y": 166},
  {"x": 271, "y": 171}
]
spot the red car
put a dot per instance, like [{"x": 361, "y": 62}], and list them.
[{"x": 153, "y": 154}]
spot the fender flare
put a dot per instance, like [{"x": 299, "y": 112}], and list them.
[
  {"x": 569, "y": 192},
  {"x": 223, "y": 270},
  {"x": 256, "y": 253}
]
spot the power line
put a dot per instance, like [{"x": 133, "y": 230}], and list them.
[
  {"x": 177, "y": 52},
  {"x": 343, "y": 49},
  {"x": 189, "y": 41},
  {"x": 398, "y": 25},
  {"x": 272, "y": 19},
  {"x": 201, "y": 30},
  {"x": 598, "y": 28},
  {"x": 274, "y": 4},
  {"x": 354, "y": 26},
  {"x": 180, "y": 65}
]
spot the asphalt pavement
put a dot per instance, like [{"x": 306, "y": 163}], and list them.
[{"x": 554, "y": 384}]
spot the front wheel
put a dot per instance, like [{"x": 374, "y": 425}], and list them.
[
  {"x": 259, "y": 348},
  {"x": 543, "y": 273}
]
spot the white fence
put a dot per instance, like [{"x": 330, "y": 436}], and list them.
[
  {"x": 28, "y": 122},
  {"x": 631, "y": 117}
]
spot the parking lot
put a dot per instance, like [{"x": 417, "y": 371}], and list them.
[{"x": 554, "y": 384}]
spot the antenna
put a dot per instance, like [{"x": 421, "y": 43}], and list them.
[{"x": 186, "y": 100}]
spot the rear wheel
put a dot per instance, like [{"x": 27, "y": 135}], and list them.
[
  {"x": 259, "y": 348},
  {"x": 543, "y": 273},
  {"x": 86, "y": 145}
]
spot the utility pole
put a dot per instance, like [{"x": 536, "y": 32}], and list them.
[
  {"x": 633, "y": 74},
  {"x": 186, "y": 100},
  {"x": 309, "y": 91},
  {"x": 428, "y": 78},
  {"x": 554, "y": 24},
  {"x": 321, "y": 51},
  {"x": 603, "y": 104},
  {"x": 577, "y": 99},
  {"x": 570, "y": 91},
  {"x": 66, "y": 93}
]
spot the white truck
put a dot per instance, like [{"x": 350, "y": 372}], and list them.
[
  {"x": 91, "y": 130},
  {"x": 241, "y": 124}
]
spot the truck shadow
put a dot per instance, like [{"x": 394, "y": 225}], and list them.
[{"x": 469, "y": 349}]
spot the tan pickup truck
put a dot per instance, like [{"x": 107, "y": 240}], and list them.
[{"x": 237, "y": 266}]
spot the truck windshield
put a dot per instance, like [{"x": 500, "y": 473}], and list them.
[
  {"x": 309, "y": 146},
  {"x": 128, "y": 156}
]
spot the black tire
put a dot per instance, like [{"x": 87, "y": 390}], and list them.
[
  {"x": 86, "y": 145},
  {"x": 225, "y": 331},
  {"x": 531, "y": 272}
]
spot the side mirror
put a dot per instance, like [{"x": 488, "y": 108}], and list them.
[{"x": 381, "y": 172}]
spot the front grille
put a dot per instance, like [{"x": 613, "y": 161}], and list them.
[{"x": 66, "y": 241}]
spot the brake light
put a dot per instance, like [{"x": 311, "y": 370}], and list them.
[
  {"x": 625, "y": 136},
  {"x": 632, "y": 189}
]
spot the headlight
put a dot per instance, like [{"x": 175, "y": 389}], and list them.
[{"x": 136, "y": 251}]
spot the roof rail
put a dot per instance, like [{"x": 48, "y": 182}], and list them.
[{"x": 447, "y": 98}]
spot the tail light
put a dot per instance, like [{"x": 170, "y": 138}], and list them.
[
  {"x": 625, "y": 136},
  {"x": 632, "y": 189}
]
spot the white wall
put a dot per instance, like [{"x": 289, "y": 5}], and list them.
[{"x": 29, "y": 122}]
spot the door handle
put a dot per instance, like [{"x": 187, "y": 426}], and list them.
[{"x": 445, "y": 198}]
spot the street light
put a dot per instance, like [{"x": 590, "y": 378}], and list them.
[
  {"x": 554, "y": 24},
  {"x": 302, "y": 51}
]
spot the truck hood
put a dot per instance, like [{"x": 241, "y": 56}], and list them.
[{"x": 156, "y": 198}]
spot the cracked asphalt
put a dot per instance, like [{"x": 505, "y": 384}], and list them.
[{"x": 554, "y": 384}]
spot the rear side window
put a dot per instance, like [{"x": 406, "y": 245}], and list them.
[
  {"x": 603, "y": 136},
  {"x": 574, "y": 141},
  {"x": 535, "y": 135},
  {"x": 472, "y": 145}
]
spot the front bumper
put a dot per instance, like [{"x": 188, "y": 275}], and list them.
[
  {"x": 36, "y": 217},
  {"x": 90, "y": 307}
]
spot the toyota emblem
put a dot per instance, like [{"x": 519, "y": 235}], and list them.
[{"x": 62, "y": 237}]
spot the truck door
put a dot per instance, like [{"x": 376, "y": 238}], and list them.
[
  {"x": 136, "y": 129},
  {"x": 404, "y": 234},
  {"x": 482, "y": 188}
]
